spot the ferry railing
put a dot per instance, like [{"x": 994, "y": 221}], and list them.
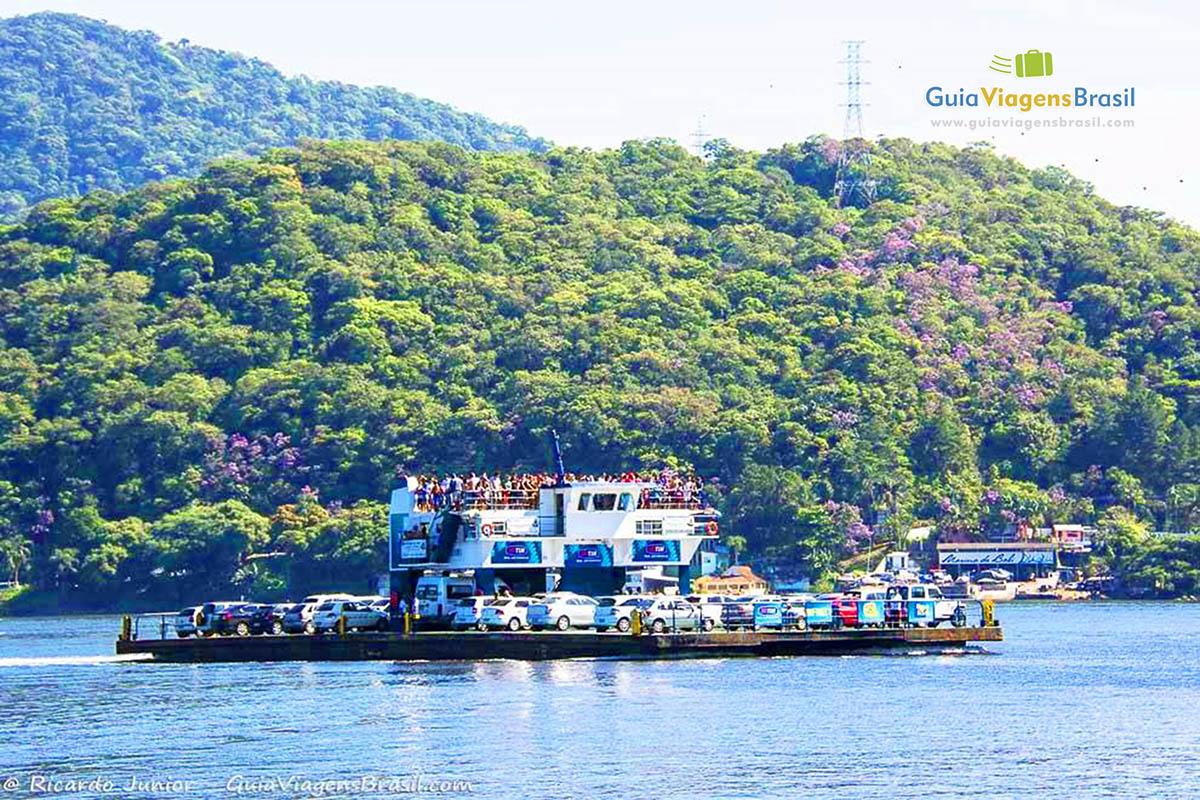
[
  {"x": 672, "y": 504},
  {"x": 156, "y": 624},
  {"x": 481, "y": 500}
]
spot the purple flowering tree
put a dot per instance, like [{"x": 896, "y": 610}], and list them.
[{"x": 262, "y": 471}]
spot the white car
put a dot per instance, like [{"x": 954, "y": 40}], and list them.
[
  {"x": 359, "y": 616},
  {"x": 675, "y": 614},
  {"x": 185, "y": 622},
  {"x": 936, "y": 609},
  {"x": 562, "y": 610},
  {"x": 710, "y": 605},
  {"x": 467, "y": 612},
  {"x": 619, "y": 613},
  {"x": 506, "y": 612},
  {"x": 299, "y": 618}
]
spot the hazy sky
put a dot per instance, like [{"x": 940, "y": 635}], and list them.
[{"x": 762, "y": 73}]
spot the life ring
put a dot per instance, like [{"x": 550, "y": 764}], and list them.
[
  {"x": 486, "y": 529},
  {"x": 711, "y": 529}
]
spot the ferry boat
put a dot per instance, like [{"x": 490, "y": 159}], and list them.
[{"x": 570, "y": 536}]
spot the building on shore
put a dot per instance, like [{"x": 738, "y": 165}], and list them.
[
  {"x": 737, "y": 580},
  {"x": 1024, "y": 559}
]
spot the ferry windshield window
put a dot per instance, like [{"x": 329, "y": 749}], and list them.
[
  {"x": 583, "y": 501},
  {"x": 604, "y": 502},
  {"x": 626, "y": 502}
]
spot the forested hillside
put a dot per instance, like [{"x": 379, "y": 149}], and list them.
[
  {"x": 85, "y": 105},
  {"x": 204, "y": 371}
]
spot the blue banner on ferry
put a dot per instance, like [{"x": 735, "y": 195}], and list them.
[
  {"x": 517, "y": 553},
  {"x": 588, "y": 555},
  {"x": 655, "y": 550}
]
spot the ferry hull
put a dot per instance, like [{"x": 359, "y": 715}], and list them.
[{"x": 552, "y": 645}]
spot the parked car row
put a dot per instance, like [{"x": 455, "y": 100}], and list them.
[
  {"x": 899, "y": 605},
  {"x": 317, "y": 613},
  {"x": 564, "y": 611}
]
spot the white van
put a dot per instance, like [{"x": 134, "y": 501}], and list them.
[{"x": 437, "y": 596}]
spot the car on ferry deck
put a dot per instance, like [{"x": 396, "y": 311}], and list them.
[
  {"x": 208, "y": 619},
  {"x": 738, "y": 613},
  {"x": 185, "y": 622},
  {"x": 711, "y": 605},
  {"x": 359, "y": 616},
  {"x": 437, "y": 597},
  {"x": 269, "y": 618},
  {"x": 242, "y": 620},
  {"x": 299, "y": 618},
  {"x": 670, "y": 613},
  {"x": 562, "y": 610},
  {"x": 619, "y": 613},
  {"x": 467, "y": 613},
  {"x": 511, "y": 613}
]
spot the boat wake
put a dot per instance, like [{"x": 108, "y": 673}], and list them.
[{"x": 55, "y": 661}]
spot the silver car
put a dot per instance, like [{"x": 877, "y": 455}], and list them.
[
  {"x": 563, "y": 611},
  {"x": 675, "y": 614}
]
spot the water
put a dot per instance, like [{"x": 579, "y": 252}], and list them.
[{"x": 1090, "y": 700}]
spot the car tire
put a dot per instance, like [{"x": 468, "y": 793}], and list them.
[
  {"x": 658, "y": 626},
  {"x": 514, "y": 624},
  {"x": 381, "y": 625},
  {"x": 707, "y": 625},
  {"x": 242, "y": 629},
  {"x": 277, "y": 628},
  {"x": 563, "y": 623},
  {"x": 623, "y": 624},
  {"x": 182, "y": 635},
  {"x": 481, "y": 627},
  {"x": 310, "y": 628}
]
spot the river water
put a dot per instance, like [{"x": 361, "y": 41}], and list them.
[{"x": 1087, "y": 700}]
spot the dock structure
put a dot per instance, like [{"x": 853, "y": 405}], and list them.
[{"x": 544, "y": 646}]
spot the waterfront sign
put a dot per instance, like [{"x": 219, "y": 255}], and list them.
[
  {"x": 655, "y": 550},
  {"x": 588, "y": 555},
  {"x": 517, "y": 553},
  {"x": 995, "y": 558},
  {"x": 414, "y": 550}
]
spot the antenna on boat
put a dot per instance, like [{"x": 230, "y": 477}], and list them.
[{"x": 560, "y": 471}]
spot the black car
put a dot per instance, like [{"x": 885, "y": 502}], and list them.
[
  {"x": 269, "y": 619},
  {"x": 245, "y": 620},
  {"x": 737, "y": 614}
]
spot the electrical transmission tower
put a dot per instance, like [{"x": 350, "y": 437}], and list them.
[
  {"x": 699, "y": 137},
  {"x": 853, "y": 154},
  {"x": 853, "y": 84}
]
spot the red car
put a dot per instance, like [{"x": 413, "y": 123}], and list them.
[{"x": 845, "y": 610}]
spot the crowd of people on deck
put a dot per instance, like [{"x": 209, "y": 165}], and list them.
[{"x": 665, "y": 488}]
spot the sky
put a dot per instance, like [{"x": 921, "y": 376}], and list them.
[{"x": 759, "y": 73}]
